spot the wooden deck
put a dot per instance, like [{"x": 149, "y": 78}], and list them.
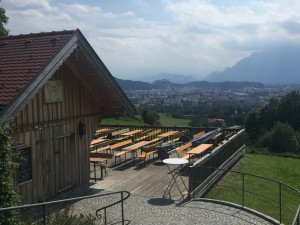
[{"x": 151, "y": 180}]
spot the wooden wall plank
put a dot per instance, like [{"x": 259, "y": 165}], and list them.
[
  {"x": 54, "y": 119},
  {"x": 35, "y": 117},
  {"x": 40, "y": 107}
]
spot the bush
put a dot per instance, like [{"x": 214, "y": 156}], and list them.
[
  {"x": 149, "y": 116},
  {"x": 8, "y": 194},
  {"x": 65, "y": 217},
  {"x": 282, "y": 138},
  {"x": 198, "y": 121}
]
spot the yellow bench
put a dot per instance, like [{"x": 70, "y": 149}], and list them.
[
  {"x": 98, "y": 143},
  {"x": 216, "y": 139},
  {"x": 183, "y": 147},
  {"x": 143, "y": 135},
  {"x": 198, "y": 134},
  {"x": 153, "y": 134},
  {"x": 148, "y": 151},
  {"x": 199, "y": 150},
  {"x": 119, "y": 145}
]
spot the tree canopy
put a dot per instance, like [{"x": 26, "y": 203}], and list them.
[
  {"x": 3, "y": 21},
  {"x": 149, "y": 116},
  {"x": 277, "y": 122}
]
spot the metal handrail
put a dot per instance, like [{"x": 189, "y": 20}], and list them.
[
  {"x": 296, "y": 220},
  {"x": 112, "y": 204},
  {"x": 44, "y": 204},
  {"x": 268, "y": 179}
]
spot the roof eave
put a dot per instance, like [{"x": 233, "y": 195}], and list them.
[{"x": 102, "y": 69}]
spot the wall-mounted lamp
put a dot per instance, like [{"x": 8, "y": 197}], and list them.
[{"x": 81, "y": 129}]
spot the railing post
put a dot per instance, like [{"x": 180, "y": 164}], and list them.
[
  {"x": 44, "y": 213},
  {"x": 191, "y": 182},
  {"x": 243, "y": 190},
  {"x": 105, "y": 219},
  {"x": 279, "y": 184},
  {"x": 122, "y": 205}
]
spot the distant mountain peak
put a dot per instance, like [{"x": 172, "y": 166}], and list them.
[{"x": 275, "y": 65}]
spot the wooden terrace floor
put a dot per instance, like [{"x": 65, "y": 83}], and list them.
[{"x": 150, "y": 180}]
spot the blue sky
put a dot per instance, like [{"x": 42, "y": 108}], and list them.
[{"x": 136, "y": 38}]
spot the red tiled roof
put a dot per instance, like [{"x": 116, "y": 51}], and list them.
[{"x": 23, "y": 56}]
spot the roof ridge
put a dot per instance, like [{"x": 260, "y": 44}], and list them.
[{"x": 52, "y": 33}]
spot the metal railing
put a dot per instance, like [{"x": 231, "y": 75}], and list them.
[
  {"x": 223, "y": 156},
  {"x": 296, "y": 220},
  {"x": 271, "y": 197},
  {"x": 78, "y": 206},
  {"x": 189, "y": 131}
]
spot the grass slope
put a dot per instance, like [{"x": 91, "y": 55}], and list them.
[
  {"x": 164, "y": 121},
  {"x": 122, "y": 121},
  {"x": 286, "y": 170},
  {"x": 170, "y": 121}
]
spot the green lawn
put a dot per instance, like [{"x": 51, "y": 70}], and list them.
[
  {"x": 164, "y": 120},
  {"x": 170, "y": 121},
  {"x": 286, "y": 170},
  {"x": 122, "y": 121}
]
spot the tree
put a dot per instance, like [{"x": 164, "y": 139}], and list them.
[
  {"x": 3, "y": 21},
  {"x": 8, "y": 194},
  {"x": 269, "y": 113},
  {"x": 285, "y": 110},
  {"x": 253, "y": 125},
  {"x": 282, "y": 138},
  {"x": 149, "y": 116},
  {"x": 289, "y": 109},
  {"x": 198, "y": 121}
]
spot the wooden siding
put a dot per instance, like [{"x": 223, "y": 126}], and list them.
[{"x": 59, "y": 154}]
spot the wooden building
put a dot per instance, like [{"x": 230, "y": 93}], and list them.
[{"x": 54, "y": 90}]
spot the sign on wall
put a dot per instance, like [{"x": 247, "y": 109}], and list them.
[{"x": 53, "y": 91}]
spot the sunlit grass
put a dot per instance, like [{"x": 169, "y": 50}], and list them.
[
  {"x": 122, "y": 121},
  {"x": 166, "y": 120},
  {"x": 137, "y": 121},
  {"x": 262, "y": 195}
]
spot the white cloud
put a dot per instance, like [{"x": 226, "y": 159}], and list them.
[
  {"x": 194, "y": 36},
  {"x": 39, "y": 4}
]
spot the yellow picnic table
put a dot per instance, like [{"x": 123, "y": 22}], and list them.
[
  {"x": 98, "y": 161},
  {"x": 136, "y": 146},
  {"x": 98, "y": 141},
  {"x": 102, "y": 130},
  {"x": 133, "y": 148},
  {"x": 198, "y": 150},
  {"x": 101, "y": 144},
  {"x": 167, "y": 134},
  {"x": 133, "y": 132}
]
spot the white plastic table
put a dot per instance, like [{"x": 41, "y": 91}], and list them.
[{"x": 175, "y": 173}]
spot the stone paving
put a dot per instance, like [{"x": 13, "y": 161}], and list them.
[{"x": 156, "y": 211}]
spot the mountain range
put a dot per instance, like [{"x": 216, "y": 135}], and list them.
[
  {"x": 129, "y": 85},
  {"x": 276, "y": 65},
  {"x": 176, "y": 78}
]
